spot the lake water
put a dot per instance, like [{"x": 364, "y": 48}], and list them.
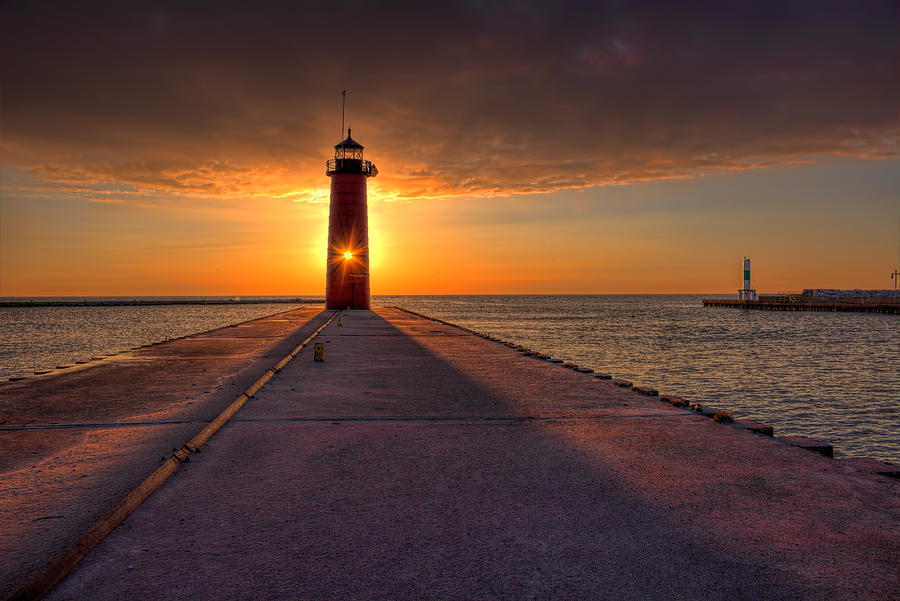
[
  {"x": 39, "y": 338},
  {"x": 831, "y": 376}
]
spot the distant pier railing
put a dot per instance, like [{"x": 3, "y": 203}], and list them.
[{"x": 794, "y": 304}]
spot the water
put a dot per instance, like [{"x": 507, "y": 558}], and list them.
[
  {"x": 831, "y": 376},
  {"x": 39, "y": 338}
]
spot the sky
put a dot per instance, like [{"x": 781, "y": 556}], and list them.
[{"x": 178, "y": 148}]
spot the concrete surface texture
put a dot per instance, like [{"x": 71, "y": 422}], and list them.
[
  {"x": 74, "y": 442},
  {"x": 421, "y": 462}
]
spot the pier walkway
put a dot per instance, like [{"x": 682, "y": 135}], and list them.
[
  {"x": 74, "y": 441},
  {"x": 418, "y": 461}
]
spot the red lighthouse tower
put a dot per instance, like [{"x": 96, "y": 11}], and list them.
[{"x": 347, "y": 273}]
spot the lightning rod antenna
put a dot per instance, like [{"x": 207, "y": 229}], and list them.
[{"x": 343, "y": 109}]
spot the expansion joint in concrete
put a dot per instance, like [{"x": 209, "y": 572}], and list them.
[
  {"x": 100, "y": 425},
  {"x": 460, "y": 419}
]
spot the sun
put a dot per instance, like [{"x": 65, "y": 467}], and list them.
[{"x": 348, "y": 254}]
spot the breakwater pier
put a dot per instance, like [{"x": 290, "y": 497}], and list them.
[
  {"x": 788, "y": 305},
  {"x": 417, "y": 461},
  {"x": 828, "y": 300}
]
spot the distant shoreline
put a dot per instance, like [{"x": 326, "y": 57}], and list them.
[{"x": 150, "y": 302}]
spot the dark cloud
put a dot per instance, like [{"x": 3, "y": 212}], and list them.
[{"x": 231, "y": 98}]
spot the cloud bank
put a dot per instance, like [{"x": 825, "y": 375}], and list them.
[{"x": 229, "y": 99}]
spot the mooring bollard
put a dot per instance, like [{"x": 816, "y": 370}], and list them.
[{"x": 319, "y": 352}]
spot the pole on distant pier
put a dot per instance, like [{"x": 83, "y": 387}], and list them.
[
  {"x": 747, "y": 293},
  {"x": 347, "y": 268},
  {"x": 746, "y": 273}
]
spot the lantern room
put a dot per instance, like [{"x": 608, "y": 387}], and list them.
[{"x": 348, "y": 158}]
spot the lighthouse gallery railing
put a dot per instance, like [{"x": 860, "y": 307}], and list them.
[{"x": 351, "y": 165}]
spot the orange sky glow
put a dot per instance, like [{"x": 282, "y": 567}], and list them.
[{"x": 638, "y": 150}]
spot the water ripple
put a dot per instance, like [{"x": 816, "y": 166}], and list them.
[{"x": 831, "y": 376}]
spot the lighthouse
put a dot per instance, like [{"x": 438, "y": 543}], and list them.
[
  {"x": 747, "y": 293},
  {"x": 347, "y": 270}
]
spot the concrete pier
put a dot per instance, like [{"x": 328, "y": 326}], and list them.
[
  {"x": 803, "y": 306},
  {"x": 418, "y": 461},
  {"x": 75, "y": 441}
]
